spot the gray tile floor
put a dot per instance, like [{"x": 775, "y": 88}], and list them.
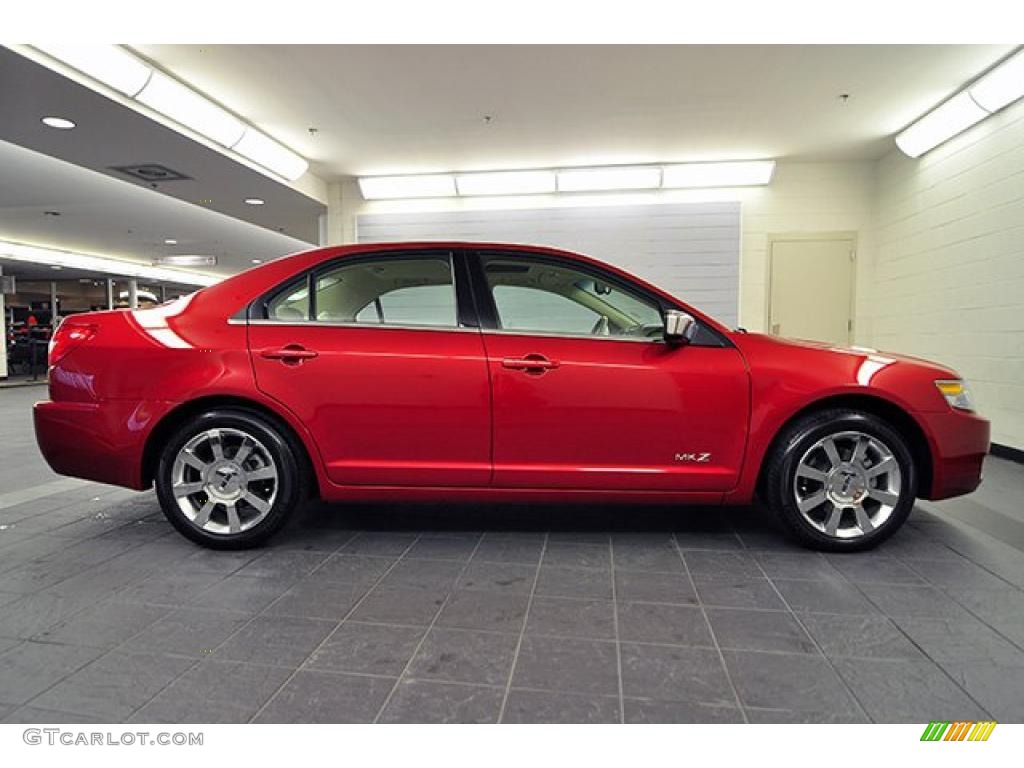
[{"x": 511, "y": 613}]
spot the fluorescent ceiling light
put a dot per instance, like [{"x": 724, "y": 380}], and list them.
[
  {"x": 61, "y": 123},
  {"x": 942, "y": 123},
  {"x": 54, "y": 258},
  {"x": 1001, "y": 86},
  {"x": 187, "y": 261},
  {"x": 180, "y": 103},
  {"x": 110, "y": 64},
  {"x": 397, "y": 187},
  {"x": 254, "y": 201},
  {"x": 597, "y": 179},
  {"x": 730, "y": 174},
  {"x": 505, "y": 183},
  {"x": 170, "y": 241},
  {"x": 276, "y": 157}
]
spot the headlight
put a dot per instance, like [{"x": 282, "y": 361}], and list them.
[{"x": 956, "y": 393}]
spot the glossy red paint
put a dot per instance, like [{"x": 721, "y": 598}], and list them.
[{"x": 428, "y": 414}]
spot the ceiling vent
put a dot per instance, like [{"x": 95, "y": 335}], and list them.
[{"x": 150, "y": 172}]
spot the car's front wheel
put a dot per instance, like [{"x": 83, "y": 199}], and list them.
[
  {"x": 841, "y": 480},
  {"x": 228, "y": 479}
]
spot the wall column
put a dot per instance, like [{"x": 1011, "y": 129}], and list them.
[
  {"x": 53, "y": 304},
  {"x": 341, "y": 222},
  {"x": 110, "y": 293},
  {"x": 3, "y": 335},
  {"x": 133, "y": 293}
]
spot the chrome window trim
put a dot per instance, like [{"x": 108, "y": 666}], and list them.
[
  {"x": 586, "y": 336},
  {"x": 344, "y": 324},
  {"x": 441, "y": 328}
]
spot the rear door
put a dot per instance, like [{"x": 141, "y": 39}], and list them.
[{"x": 381, "y": 358}]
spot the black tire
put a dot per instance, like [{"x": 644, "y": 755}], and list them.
[
  {"x": 273, "y": 441},
  {"x": 780, "y": 479}
]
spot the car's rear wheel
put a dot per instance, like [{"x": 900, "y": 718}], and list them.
[
  {"x": 228, "y": 479},
  {"x": 841, "y": 480}
]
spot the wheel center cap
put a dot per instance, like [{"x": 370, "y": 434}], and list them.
[
  {"x": 846, "y": 484},
  {"x": 225, "y": 481}
]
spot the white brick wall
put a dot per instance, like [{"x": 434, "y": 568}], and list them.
[
  {"x": 948, "y": 278},
  {"x": 803, "y": 198}
]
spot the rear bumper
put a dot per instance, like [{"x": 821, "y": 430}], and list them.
[
  {"x": 101, "y": 441},
  {"x": 959, "y": 443}
]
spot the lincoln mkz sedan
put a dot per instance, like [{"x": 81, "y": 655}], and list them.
[{"x": 472, "y": 372}]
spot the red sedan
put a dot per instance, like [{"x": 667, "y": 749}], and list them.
[{"x": 465, "y": 371}]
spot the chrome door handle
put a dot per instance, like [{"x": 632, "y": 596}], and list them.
[
  {"x": 293, "y": 354},
  {"x": 533, "y": 363}
]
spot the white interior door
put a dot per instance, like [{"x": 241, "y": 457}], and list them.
[{"x": 812, "y": 289}]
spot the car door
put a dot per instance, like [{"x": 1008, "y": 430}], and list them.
[
  {"x": 383, "y": 363},
  {"x": 587, "y": 394}
]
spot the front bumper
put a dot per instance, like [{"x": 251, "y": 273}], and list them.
[
  {"x": 959, "y": 442},
  {"x": 102, "y": 441}
]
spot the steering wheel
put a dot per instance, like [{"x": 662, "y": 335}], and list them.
[{"x": 601, "y": 327}]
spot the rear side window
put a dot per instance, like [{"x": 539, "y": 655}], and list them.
[
  {"x": 290, "y": 303},
  {"x": 390, "y": 290}
]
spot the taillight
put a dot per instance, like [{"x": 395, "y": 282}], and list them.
[{"x": 68, "y": 336}]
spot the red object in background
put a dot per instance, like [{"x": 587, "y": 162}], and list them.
[{"x": 462, "y": 413}]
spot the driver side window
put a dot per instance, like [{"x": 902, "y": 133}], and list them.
[{"x": 542, "y": 297}]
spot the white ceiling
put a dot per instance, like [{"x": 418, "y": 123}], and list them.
[
  {"x": 381, "y": 109},
  {"x": 110, "y": 134},
  {"x": 109, "y": 217}
]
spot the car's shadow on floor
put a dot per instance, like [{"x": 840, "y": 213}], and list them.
[{"x": 745, "y": 524}]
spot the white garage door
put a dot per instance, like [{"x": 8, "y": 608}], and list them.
[{"x": 692, "y": 250}]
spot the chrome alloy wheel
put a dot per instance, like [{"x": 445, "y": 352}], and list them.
[
  {"x": 224, "y": 480},
  {"x": 847, "y": 484}
]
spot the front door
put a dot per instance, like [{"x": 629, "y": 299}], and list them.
[
  {"x": 587, "y": 395},
  {"x": 369, "y": 353}
]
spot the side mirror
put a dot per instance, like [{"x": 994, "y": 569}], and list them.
[{"x": 679, "y": 328}]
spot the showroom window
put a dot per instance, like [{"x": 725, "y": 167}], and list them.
[{"x": 542, "y": 297}]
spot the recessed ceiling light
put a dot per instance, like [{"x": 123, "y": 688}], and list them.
[
  {"x": 58, "y": 122},
  {"x": 257, "y": 261},
  {"x": 170, "y": 241},
  {"x": 254, "y": 201},
  {"x": 56, "y": 266}
]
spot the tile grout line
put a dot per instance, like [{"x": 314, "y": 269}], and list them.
[
  {"x": 199, "y": 661},
  {"x": 817, "y": 645},
  {"x": 711, "y": 630},
  {"x": 354, "y": 607},
  {"x": 522, "y": 631},
  {"x": 913, "y": 641},
  {"x": 426, "y": 632},
  {"x": 615, "y": 627}
]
